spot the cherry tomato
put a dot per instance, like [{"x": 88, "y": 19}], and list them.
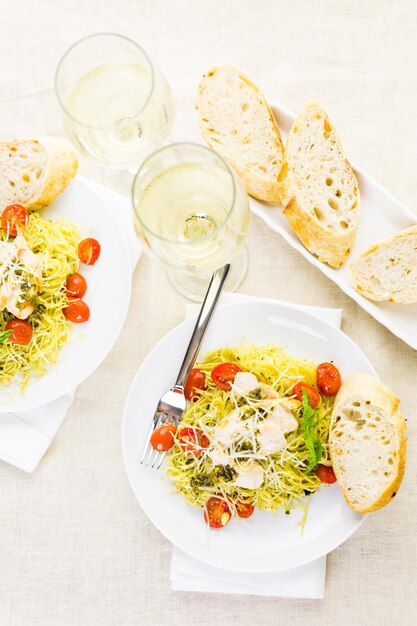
[
  {"x": 217, "y": 512},
  {"x": 76, "y": 285},
  {"x": 328, "y": 379},
  {"x": 244, "y": 509},
  {"x": 77, "y": 311},
  {"x": 224, "y": 374},
  {"x": 13, "y": 215},
  {"x": 22, "y": 332},
  {"x": 326, "y": 474},
  {"x": 89, "y": 251},
  {"x": 193, "y": 440},
  {"x": 162, "y": 438},
  {"x": 313, "y": 394},
  {"x": 196, "y": 381}
]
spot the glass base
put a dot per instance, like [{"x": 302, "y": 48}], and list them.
[{"x": 195, "y": 287}]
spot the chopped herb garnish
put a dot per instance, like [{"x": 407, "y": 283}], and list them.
[
  {"x": 309, "y": 422},
  {"x": 262, "y": 413},
  {"x": 248, "y": 413},
  {"x": 226, "y": 472},
  {"x": 4, "y": 335},
  {"x": 201, "y": 481},
  {"x": 256, "y": 394},
  {"x": 245, "y": 446}
]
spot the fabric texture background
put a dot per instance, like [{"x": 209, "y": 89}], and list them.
[{"x": 75, "y": 548}]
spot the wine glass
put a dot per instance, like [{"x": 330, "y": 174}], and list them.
[
  {"x": 116, "y": 106},
  {"x": 192, "y": 214}
]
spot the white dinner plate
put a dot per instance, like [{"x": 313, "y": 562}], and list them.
[
  {"x": 108, "y": 295},
  {"x": 381, "y": 216},
  {"x": 264, "y": 542}
]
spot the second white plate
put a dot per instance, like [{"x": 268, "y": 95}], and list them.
[
  {"x": 264, "y": 542},
  {"x": 381, "y": 216},
  {"x": 108, "y": 296}
]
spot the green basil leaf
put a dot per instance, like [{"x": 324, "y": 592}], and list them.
[
  {"x": 4, "y": 335},
  {"x": 309, "y": 422}
]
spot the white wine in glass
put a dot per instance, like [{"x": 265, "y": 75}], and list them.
[
  {"x": 192, "y": 214},
  {"x": 116, "y": 105}
]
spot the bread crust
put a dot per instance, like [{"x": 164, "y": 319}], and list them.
[
  {"x": 365, "y": 289},
  {"x": 379, "y": 395},
  {"x": 61, "y": 169},
  {"x": 329, "y": 246},
  {"x": 47, "y": 168},
  {"x": 386, "y": 497},
  {"x": 256, "y": 184}
]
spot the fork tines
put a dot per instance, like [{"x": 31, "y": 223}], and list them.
[
  {"x": 150, "y": 456},
  {"x": 169, "y": 409}
]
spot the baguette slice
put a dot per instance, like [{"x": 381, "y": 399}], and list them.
[
  {"x": 33, "y": 172},
  {"x": 236, "y": 121},
  {"x": 367, "y": 442},
  {"x": 318, "y": 187},
  {"x": 388, "y": 270}
]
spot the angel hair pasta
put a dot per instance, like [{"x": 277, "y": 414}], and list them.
[
  {"x": 243, "y": 470},
  {"x": 55, "y": 245}
]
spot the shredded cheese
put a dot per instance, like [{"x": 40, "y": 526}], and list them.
[
  {"x": 286, "y": 478},
  {"x": 33, "y": 268}
]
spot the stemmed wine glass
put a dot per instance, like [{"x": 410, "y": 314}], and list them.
[
  {"x": 190, "y": 209},
  {"x": 116, "y": 105},
  {"x": 192, "y": 214}
]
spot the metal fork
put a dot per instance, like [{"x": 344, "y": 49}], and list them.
[{"x": 172, "y": 404}]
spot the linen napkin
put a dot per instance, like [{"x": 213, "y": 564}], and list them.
[
  {"x": 25, "y": 436},
  {"x": 307, "y": 581}
]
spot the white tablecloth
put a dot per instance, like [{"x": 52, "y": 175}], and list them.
[{"x": 75, "y": 548}]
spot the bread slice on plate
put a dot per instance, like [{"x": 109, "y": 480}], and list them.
[
  {"x": 33, "y": 172},
  {"x": 388, "y": 270},
  {"x": 318, "y": 187},
  {"x": 367, "y": 442},
  {"x": 236, "y": 121}
]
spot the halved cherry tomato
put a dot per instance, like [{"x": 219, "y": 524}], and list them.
[
  {"x": 77, "y": 311},
  {"x": 195, "y": 382},
  {"x": 162, "y": 438},
  {"x": 89, "y": 251},
  {"x": 224, "y": 374},
  {"x": 76, "y": 285},
  {"x": 328, "y": 379},
  {"x": 217, "y": 512},
  {"x": 13, "y": 215},
  {"x": 313, "y": 394},
  {"x": 22, "y": 332},
  {"x": 193, "y": 440},
  {"x": 244, "y": 509},
  {"x": 326, "y": 474}
]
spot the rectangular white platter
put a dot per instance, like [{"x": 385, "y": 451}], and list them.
[{"x": 381, "y": 216}]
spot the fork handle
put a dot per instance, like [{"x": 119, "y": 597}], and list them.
[{"x": 206, "y": 312}]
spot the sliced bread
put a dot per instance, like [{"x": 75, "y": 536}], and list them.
[
  {"x": 367, "y": 442},
  {"x": 33, "y": 172},
  {"x": 388, "y": 270},
  {"x": 236, "y": 121},
  {"x": 318, "y": 187}
]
